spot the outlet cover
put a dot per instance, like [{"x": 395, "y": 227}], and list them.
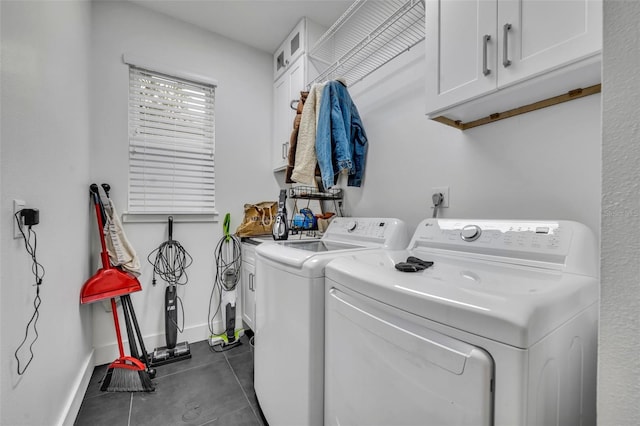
[{"x": 17, "y": 206}]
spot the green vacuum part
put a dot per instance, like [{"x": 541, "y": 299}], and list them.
[{"x": 224, "y": 339}]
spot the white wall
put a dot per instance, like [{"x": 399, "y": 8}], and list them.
[
  {"x": 45, "y": 161},
  {"x": 619, "y": 373},
  {"x": 243, "y": 129},
  {"x": 540, "y": 165}
]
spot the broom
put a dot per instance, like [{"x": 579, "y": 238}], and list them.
[{"x": 125, "y": 374}]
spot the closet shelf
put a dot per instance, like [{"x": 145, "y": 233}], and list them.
[{"x": 367, "y": 36}]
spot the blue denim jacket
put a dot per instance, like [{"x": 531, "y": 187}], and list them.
[{"x": 341, "y": 142}]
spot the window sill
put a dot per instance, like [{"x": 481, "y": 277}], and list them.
[{"x": 162, "y": 217}]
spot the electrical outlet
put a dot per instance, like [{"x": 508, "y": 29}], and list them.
[
  {"x": 17, "y": 206},
  {"x": 444, "y": 190}
]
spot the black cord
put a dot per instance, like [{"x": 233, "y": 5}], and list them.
[
  {"x": 38, "y": 271},
  {"x": 227, "y": 272},
  {"x": 182, "y": 311},
  {"x": 170, "y": 263}
]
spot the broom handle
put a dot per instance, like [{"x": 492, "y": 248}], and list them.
[
  {"x": 129, "y": 303},
  {"x": 104, "y": 255},
  {"x": 133, "y": 347},
  {"x": 116, "y": 323}
]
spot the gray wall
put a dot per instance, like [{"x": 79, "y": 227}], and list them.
[
  {"x": 243, "y": 133},
  {"x": 619, "y": 367},
  {"x": 45, "y": 161}
]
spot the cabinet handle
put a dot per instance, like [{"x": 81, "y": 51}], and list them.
[
  {"x": 284, "y": 150},
  {"x": 505, "y": 45},
  {"x": 251, "y": 282},
  {"x": 485, "y": 42}
]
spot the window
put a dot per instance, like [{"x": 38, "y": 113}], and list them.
[{"x": 171, "y": 144}]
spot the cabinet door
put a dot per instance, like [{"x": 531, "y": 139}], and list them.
[
  {"x": 281, "y": 122},
  {"x": 461, "y": 55},
  {"x": 290, "y": 49},
  {"x": 295, "y": 41},
  {"x": 544, "y": 35},
  {"x": 285, "y": 90},
  {"x": 248, "y": 294}
]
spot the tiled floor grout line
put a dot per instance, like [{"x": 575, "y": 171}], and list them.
[
  {"x": 130, "y": 409},
  {"x": 242, "y": 389},
  {"x": 185, "y": 370}
]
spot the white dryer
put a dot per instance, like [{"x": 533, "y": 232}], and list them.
[
  {"x": 289, "y": 334},
  {"x": 501, "y": 330}
]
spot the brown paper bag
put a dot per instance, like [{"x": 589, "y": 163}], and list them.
[{"x": 258, "y": 219}]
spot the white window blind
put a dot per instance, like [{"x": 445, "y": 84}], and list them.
[{"x": 171, "y": 144}]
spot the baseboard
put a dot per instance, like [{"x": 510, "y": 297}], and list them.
[
  {"x": 108, "y": 353},
  {"x": 72, "y": 408}
]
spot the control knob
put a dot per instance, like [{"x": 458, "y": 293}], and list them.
[
  {"x": 470, "y": 233},
  {"x": 352, "y": 225}
]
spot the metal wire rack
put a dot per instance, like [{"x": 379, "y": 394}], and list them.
[
  {"x": 312, "y": 193},
  {"x": 367, "y": 36}
]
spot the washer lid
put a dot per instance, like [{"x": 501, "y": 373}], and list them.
[
  {"x": 513, "y": 304},
  {"x": 296, "y": 253},
  {"x": 342, "y": 235}
]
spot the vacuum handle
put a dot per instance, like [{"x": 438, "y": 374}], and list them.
[{"x": 170, "y": 220}]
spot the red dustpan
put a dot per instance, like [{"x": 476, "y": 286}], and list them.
[{"x": 108, "y": 282}]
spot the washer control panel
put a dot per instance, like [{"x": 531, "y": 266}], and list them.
[
  {"x": 560, "y": 245},
  {"x": 388, "y": 232},
  {"x": 493, "y": 237}
]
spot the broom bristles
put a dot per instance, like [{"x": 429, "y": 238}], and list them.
[{"x": 118, "y": 379}]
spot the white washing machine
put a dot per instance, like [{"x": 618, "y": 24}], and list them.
[
  {"x": 501, "y": 330},
  {"x": 289, "y": 334}
]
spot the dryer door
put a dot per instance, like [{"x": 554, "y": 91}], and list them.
[{"x": 383, "y": 366}]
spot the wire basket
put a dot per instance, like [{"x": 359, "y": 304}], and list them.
[{"x": 311, "y": 193}]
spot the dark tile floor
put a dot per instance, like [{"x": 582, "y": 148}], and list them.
[{"x": 211, "y": 388}]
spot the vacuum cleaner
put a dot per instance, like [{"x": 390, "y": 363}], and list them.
[
  {"x": 170, "y": 263},
  {"x": 228, "y": 267}
]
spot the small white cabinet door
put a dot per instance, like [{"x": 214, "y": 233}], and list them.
[
  {"x": 285, "y": 90},
  {"x": 461, "y": 48},
  {"x": 290, "y": 48},
  {"x": 248, "y": 284},
  {"x": 538, "y": 36},
  {"x": 248, "y": 294}
]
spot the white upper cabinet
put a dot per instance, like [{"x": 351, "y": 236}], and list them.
[
  {"x": 536, "y": 36},
  {"x": 461, "y": 54},
  {"x": 290, "y": 49},
  {"x": 291, "y": 73},
  {"x": 286, "y": 90},
  {"x": 487, "y": 56}
]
